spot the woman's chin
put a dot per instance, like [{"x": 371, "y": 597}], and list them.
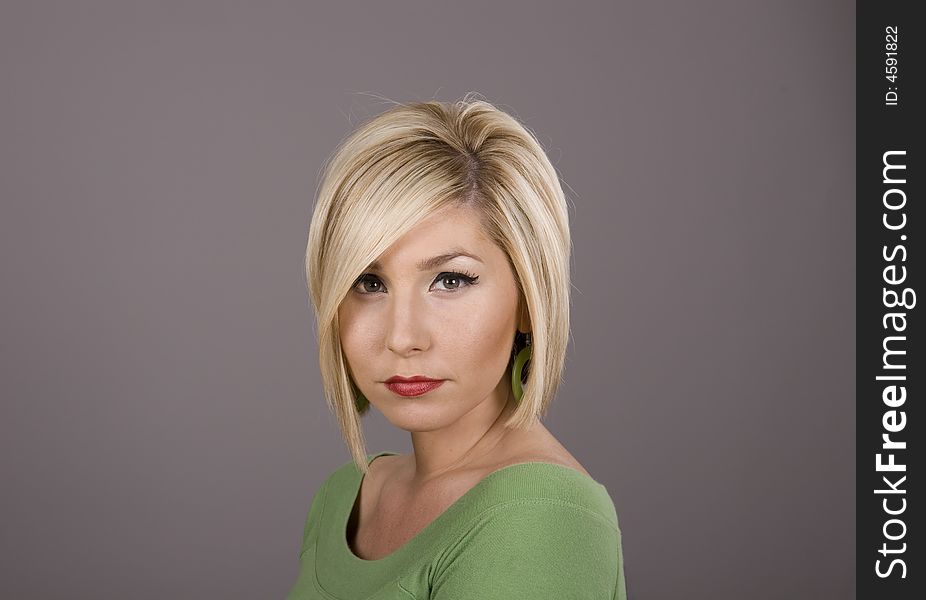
[{"x": 418, "y": 415}]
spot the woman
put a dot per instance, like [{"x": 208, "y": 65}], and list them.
[{"x": 438, "y": 266}]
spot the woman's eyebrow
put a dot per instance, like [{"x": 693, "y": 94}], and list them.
[{"x": 435, "y": 261}]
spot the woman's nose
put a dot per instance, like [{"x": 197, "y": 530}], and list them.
[{"x": 407, "y": 330}]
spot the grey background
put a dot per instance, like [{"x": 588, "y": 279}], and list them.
[{"x": 163, "y": 427}]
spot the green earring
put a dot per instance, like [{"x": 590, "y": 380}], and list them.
[
  {"x": 361, "y": 402},
  {"x": 517, "y": 370}
]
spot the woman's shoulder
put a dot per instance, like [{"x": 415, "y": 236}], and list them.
[
  {"x": 538, "y": 479},
  {"x": 540, "y": 524},
  {"x": 540, "y": 469},
  {"x": 549, "y": 481},
  {"x": 548, "y": 512}
]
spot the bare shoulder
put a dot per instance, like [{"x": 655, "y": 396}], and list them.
[
  {"x": 537, "y": 445},
  {"x": 522, "y": 447},
  {"x": 550, "y": 455},
  {"x": 384, "y": 467}
]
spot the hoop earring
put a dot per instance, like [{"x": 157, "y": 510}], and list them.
[{"x": 521, "y": 362}]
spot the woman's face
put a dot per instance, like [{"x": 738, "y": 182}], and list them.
[{"x": 453, "y": 319}]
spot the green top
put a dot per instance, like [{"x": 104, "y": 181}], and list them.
[{"x": 526, "y": 531}]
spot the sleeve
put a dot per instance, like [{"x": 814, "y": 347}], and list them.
[
  {"x": 534, "y": 550},
  {"x": 312, "y": 519}
]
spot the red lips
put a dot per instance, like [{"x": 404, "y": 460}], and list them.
[{"x": 412, "y": 386}]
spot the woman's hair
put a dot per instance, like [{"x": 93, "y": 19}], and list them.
[{"x": 401, "y": 167}]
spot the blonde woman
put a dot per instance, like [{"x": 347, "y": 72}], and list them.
[{"x": 438, "y": 267}]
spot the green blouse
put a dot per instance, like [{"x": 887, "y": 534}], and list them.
[{"x": 531, "y": 530}]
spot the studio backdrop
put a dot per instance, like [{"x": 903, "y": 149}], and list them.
[{"x": 163, "y": 423}]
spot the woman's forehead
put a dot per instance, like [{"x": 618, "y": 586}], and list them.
[{"x": 447, "y": 234}]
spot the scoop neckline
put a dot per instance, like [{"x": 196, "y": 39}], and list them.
[{"x": 439, "y": 519}]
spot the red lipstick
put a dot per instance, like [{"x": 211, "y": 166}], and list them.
[{"x": 412, "y": 386}]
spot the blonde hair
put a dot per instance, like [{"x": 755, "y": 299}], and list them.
[{"x": 404, "y": 165}]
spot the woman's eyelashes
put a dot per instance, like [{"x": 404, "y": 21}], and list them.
[{"x": 368, "y": 283}]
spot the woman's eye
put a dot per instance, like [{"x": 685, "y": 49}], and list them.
[
  {"x": 457, "y": 280},
  {"x": 368, "y": 279},
  {"x": 370, "y": 284}
]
